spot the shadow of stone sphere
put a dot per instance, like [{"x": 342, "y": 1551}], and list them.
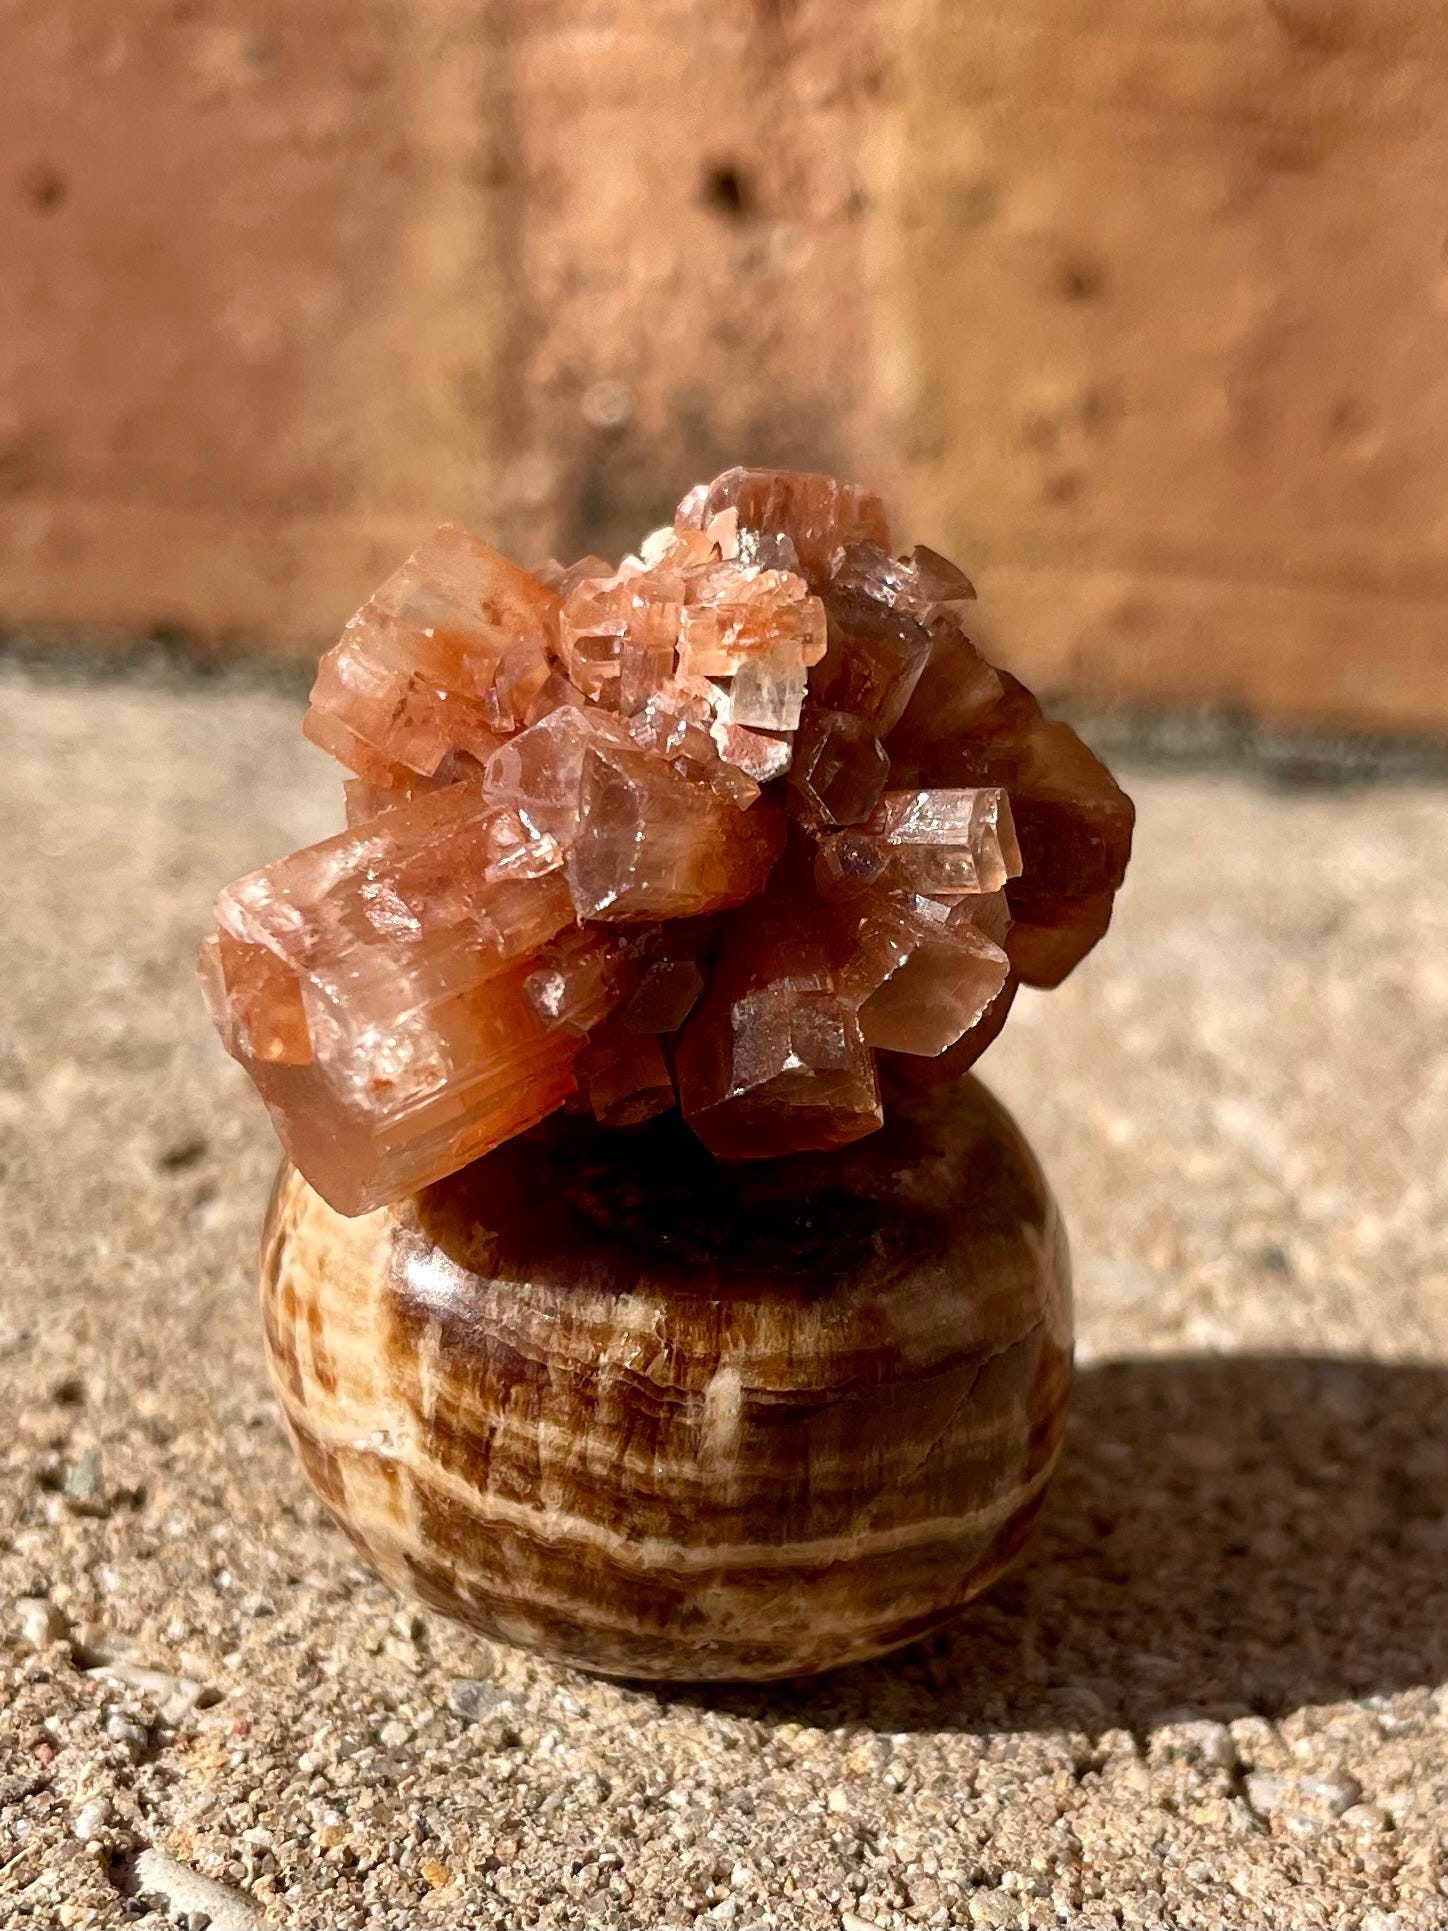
[{"x": 1227, "y": 1535}]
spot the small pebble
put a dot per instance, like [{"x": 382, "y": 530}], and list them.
[
  {"x": 1338, "y": 1793},
  {"x": 91, "y": 1819},
  {"x": 471, "y": 1697},
  {"x": 1264, "y": 1792},
  {"x": 1301, "y": 1800},
  {"x": 1366, "y": 1817},
  {"x": 124, "y": 1729},
  {"x": 192, "y": 1898},
  {"x": 1197, "y": 1737},
  {"x": 41, "y": 1623},
  {"x": 1242, "y": 1819},
  {"x": 996, "y": 1910},
  {"x": 85, "y": 1487},
  {"x": 175, "y": 1697}
]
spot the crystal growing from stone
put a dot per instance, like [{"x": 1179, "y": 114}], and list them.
[{"x": 740, "y": 823}]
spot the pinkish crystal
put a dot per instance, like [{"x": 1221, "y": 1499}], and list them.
[
  {"x": 441, "y": 659},
  {"x": 625, "y": 1077},
  {"x": 919, "y": 1070},
  {"x": 849, "y": 864},
  {"x": 364, "y": 800},
  {"x": 760, "y": 755},
  {"x": 745, "y": 814},
  {"x": 654, "y": 844},
  {"x": 1073, "y": 820},
  {"x": 1049, "y": 937},
  {"x": 817, "y": 513},
  {"x": 839, "y": 768},
  {"x": 403, "y": 951},
  {"x": 667, "y": 992},
  {"x": 876, "y": 657},
  {"x": 945, "y": 842},
  {"x": 777, "y": 1070},
  {"x": 539, "y": 773},
  {"x": 618, "y": 638},
  {"x": 736, "y": 614},
  {"x": 923, "y": 982},
  {"x": 255, "y": 1002},
  {"x": 580, "y": 977},
  {"x": 917, "y": 583},
  {"x": 988, "y": 912},
  {"x": 954, "y": 695}
]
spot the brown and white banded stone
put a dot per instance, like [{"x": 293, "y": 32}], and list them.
[{"x": 662, "y": 1416}]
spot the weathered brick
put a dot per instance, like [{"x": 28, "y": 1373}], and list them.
[
  {"x": 256, "y": 332},
  {"x": 1139, "y": 310},
  {"x": 1170, "y": 305},
  {"x": 697, "y": 187}
]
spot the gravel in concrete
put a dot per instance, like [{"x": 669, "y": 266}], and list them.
[{"x": 1213, "y": 1694}]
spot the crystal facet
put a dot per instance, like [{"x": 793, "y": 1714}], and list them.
[
  {"x": 947, "y": 842},
  {"x": 743, "y": 822},
  {"x": 654, "y": 844},
  {"x": 838, "y": 769},
  {"x": 778, "y": 1070},
  {"x": 816, "y": 513},
  {"x": 925, "y": 981},
  {"x": 444, "y": 657}
]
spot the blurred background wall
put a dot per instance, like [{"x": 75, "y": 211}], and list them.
[{"x": 1139, "y": 308}]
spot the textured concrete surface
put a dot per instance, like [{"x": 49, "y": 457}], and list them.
[{"x": 1214, "y": 1692}]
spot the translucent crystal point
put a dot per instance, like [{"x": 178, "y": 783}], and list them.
[
  {"x": 1049, "y": 937},
  {"x": 875, "y": 659},
  {"x": 444, "y": 657},
  {"x": 667, "y": 992},
  {"x": 942, "y": 842},
  {"x": 376, "y": 987},
  {"x": 838, "y": 769},
  {"x": 625, "y": 1077},
  {"x": 922, "y": 982},
  {"x": 816, "y": 513},
  {"x": 653, "y": 843},
  {"x": 777, "y": 1070}
]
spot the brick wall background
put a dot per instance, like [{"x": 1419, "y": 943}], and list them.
[{"x": 1141, "y": 309}]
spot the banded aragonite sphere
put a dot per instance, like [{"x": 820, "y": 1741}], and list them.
[{"x": 658, "y": 1416}]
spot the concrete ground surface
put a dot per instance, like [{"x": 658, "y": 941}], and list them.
[{"x": 1212, "y": 1694}]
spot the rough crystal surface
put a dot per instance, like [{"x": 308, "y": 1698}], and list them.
[{"x": 743, "y": 822}]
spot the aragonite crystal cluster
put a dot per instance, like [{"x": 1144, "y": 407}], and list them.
[{"x": 741, "y": 824}]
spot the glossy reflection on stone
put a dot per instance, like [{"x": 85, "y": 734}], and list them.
[{"x": 661, "y": 1416}]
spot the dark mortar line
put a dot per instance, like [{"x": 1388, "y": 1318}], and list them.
[
  {"x": 1183, "y": 738},
  {"x": 1224, "y": 738},
  {"x": 160, "y": 661}
]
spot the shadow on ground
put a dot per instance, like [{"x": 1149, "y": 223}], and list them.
[{"x": 1226, "y": 1535}]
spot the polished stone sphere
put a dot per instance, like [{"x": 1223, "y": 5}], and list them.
[{"x": 659, "y": 1416}]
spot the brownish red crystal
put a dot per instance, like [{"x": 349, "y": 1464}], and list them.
[{"x": 740, "y": 824}]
